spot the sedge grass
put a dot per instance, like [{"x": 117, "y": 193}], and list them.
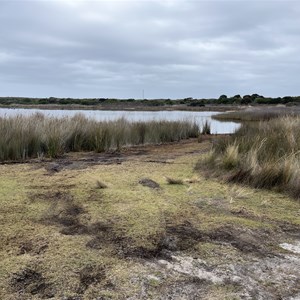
[
  {"x": 258, "y": 114},
  {"x": 263, "y": 155},
  {"x": 24, "y": 137}
]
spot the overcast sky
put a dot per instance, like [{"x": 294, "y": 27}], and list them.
[{"x": 169, "y": 49}]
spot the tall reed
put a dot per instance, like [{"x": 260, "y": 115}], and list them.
[
  {"x": 263, "y": 155},
  {"x": 25, "y": 137}
]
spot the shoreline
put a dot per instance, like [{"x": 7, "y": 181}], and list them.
[{"x": 124, "y": 108}]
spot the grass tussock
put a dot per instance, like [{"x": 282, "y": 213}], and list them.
[
  {"x": 37, "y": 136},
  {"x": 100, "y": 185},
  {"x": 206, "y": 128},
  {"x": 263, "y": 155},
  {"x": 174, "y": 180},
  {"x": 258, "y": 114}
]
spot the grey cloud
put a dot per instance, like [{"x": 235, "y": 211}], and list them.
[{"x": 169, "y": 48}]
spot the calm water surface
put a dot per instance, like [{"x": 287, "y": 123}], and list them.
[{"x": 105, "y": 115}]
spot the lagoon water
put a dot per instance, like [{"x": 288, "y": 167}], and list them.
[{"x": 106, "y": 115}]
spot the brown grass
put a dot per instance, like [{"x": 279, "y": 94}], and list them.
[{"x": 264, "y": 155}]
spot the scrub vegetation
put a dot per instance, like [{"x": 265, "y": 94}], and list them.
[
  {"x": 263, "y": 155},
  {"x": 190, "y": 102},
  {"x": 38, "y": 136}
]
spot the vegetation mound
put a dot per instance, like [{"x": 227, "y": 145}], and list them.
[{"x": 263, "y": 155}]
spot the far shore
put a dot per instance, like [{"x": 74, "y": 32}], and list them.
[{"x": 217, "y": 108}]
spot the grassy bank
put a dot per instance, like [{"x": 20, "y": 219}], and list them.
[
  {"x": 62, "y": 236},
  {"x": 258, "y": 114},
  {"x": 37, "y": 136},
  {"x": 263, "y": 155}
]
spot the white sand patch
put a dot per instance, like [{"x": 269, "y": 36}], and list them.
[{"x": 295, "y": 248}]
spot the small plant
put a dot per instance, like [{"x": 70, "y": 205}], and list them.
[
  {"x": 230, "y": 158},
  {"x": 206, "y": 129},
  {"x": 100, "y": 185}
]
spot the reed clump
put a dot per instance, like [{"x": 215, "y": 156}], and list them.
[
  {"x": 258, "y": 114},
  {"x": 206, "y": 128},
  {"x": 24, "y": 137},
  {"x": 263, "y": 155}
]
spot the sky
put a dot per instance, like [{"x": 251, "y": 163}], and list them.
[{"x": 162, "y": 49}]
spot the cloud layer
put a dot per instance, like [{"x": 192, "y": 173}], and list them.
[{"x": 170, "y": 49}]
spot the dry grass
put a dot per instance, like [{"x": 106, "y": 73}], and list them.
[
  {"x": 55, "y": 241},
  {"x": 38, "y": 136},
  {"x": 264, "y": 155},
  {"x": 258, "y": 114},
  {"x": 206, "y": 128},
  {"x": 100, "y": 185}
]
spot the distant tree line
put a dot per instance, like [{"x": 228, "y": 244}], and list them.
[
  {"x": 257, "y": 99},
  {"x": 254, "y": 99}
]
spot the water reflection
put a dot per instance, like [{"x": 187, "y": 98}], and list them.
[{"x": 104, "y": 115}]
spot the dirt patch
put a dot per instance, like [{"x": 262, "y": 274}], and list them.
[
  {"x": 181, "y": 237},
  {"x": 29, "y": 281},
  {"x": 185, "y": 237},
  {"x": 76, "y": 229},
  {"x": 95, "y": 243},
  {"x": 245, "y": 240},
  {"x": 73, "y": 209},
  {"x": 65, "y": 213},
  {"x": 90, "y": 275},
  {"x": 57, "y": 195},
  {"x": 290, "y": 229},
  {"x": 80, "y": 161},
  {"x": 176, "y": 238},
  {"x": 53, "y": 168},
  {"x": 103, "y": 233},
  {"x": 149, "y": 183},
  {"x": 101, "y": 228}
]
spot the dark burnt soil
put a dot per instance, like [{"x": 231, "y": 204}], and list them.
[
  {"x": 69, "y": 220},
  {"x": 83, "y": 160},
  {"x": 248, "y": 241},
  {"x": 66, "y": 214},
  {"x": 29, "y": 281},
  {"x": 89, "y": 275},
  {"x": 184, "y": 237},
  {"x": 149, "y": 183}
]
